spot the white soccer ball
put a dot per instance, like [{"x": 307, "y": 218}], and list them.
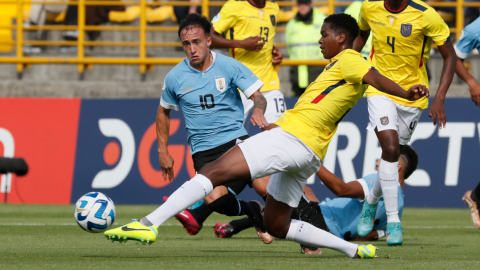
[{"x": 94, "y": 212}]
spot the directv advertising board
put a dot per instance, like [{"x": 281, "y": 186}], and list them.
[{"x": 76, "y": 146}]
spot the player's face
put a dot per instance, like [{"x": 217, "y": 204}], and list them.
[
  {"x": 329, "y": 42},
  {"x": 195, "y": 44}
]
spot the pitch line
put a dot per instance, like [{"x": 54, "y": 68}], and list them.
[{"x": 116, "y": 224}]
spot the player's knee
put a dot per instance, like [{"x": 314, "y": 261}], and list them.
[
  {"x": 276, "y": 229},
  {"x": 391, "y": 152}
]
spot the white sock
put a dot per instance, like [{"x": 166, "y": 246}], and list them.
[
  {"x": 388, "y": 174},
  {"x": 188, "y": 194},
  {"x": 305, "y": 233},
  {"x": 375, "y": 192}
]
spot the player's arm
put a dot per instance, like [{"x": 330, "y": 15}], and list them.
[
  {"x": 437, "y": 110},
  {"x": 251, "y": 43},
  {"x": 473, "y": 85},
  {"x": 163, "y": 129},
  {"x": 351, "y": 189},
  {"x": 277, "y": 56},
  {"x": 361, "y": 40},
  {"x": 384, "y": 84},
  {"x": 362, "y": 37},
  {"x": 259, "y": 105}
]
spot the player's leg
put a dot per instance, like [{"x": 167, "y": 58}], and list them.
[
  {"x": 289, "y": 188},
  {"x": 383, "y": 119},
  {"x": 472, "y": 199}
]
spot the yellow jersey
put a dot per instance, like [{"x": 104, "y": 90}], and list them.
[
  {"x": 401, "y": 43},
  {"x": 240, "y": 20},
  {"x": 326, "y": 101}
]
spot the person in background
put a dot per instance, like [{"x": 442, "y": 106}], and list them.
[{"x": 302, "y": 34}]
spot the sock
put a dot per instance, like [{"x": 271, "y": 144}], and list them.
[
  {"x": 388, "y": 176},
  {"x": 241, "y": 224},
  {"x": 476, "y": 194},
  {"x": 307, "y": 234},
  {"x": 228, "y": 205},
  {"x": 188, "y": 194},
  {"x": 201, "y": 213},
  {"x": 375, "y": 192},
  {"x": 145, "y": 222}
]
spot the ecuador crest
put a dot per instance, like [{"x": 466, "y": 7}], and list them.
[
  {"x": 384, "y": 120},
  {"x": 406, "y": 29}
]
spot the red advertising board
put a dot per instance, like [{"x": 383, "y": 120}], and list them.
[{"x": 44, "y": 133}]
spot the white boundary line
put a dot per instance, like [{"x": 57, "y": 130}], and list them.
[{"x": 207, "y": 225}]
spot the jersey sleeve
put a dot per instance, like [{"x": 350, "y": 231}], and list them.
[
  {"x": 466, "y": 44},
  {"x": 362, "y": 18},
  {"x": 244, "y": 79},
  {"x": 226, "y": 18},
  {"x": 353, "y": 67},
  {"x": 169, "y": 100},
  {"x": 435, "y": 27}
]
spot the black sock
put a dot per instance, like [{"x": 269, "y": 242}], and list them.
[
  {"x": 228, "y": 205},
  {"x": 241, "y": 224},
  {"x": 201, "y": 213},
  {"x": 476, "y": 194}
]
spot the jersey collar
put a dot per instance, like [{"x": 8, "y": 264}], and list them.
[
  {"x": 253, "y": 4},
  {"x": 214, "y": 55},
  {"x": 336, "y": 57},
  {"x": 395, "y": 11}
]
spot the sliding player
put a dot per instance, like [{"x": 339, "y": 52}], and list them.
[{"x": 291, "y": 152}]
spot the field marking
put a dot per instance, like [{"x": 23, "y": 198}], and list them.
[{"x": 209, "y": 225}]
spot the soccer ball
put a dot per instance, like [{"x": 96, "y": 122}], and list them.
[{"x": 94, "y": 212}]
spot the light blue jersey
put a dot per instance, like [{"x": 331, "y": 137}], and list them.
[
  {"x": 342, "y": 214},
  {"x": 210, "y": 100},
  {"x": 469, "y": 40}
]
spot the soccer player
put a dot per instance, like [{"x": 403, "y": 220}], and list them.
[
  {"x": 340, "y": 215},
  {"x": 204, "y": 86},
  {"x": 403, "y": 31},
  {"x": 250, "y": 30},
  {"x": 291, "y": 152},
  {"x": 469, "y": 40},
  {"x": 249, "y": 27}
]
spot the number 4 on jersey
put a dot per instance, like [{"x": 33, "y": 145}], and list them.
[{"x": 391, "y": 44}]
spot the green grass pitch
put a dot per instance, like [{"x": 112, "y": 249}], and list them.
[{"x": 46, "y": 237}]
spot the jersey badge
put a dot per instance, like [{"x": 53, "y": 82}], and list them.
[
  {"x": 220, "y": 84},
  {"x": 406, "y": 29},
  {"x": 216, "y": 18},
  {"x": 391, "y": 20},
  {"x": 260, "y": 13},
  {"x": 272, "y": 19},
  {"x": 384, "y": 120}
]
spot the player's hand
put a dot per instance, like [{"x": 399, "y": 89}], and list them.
[
  {"x": 277, "y": 56},
  {"x": 252, "y": 43},
  {"x": 437, "y": 113},
  {"x": 166, "y": 163},
  {"x": 475, "y": 93},
  {"x": 417, "y": 91},
  {"x": 258, "y": 119}
]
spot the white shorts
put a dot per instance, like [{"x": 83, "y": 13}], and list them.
[
  {"x": 282, "y": 155},
  {"x": 275, "y": 106},
  {"x": 386, "y": 114}
]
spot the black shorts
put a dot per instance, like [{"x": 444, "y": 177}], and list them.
[{"x": 202, "y": 158}]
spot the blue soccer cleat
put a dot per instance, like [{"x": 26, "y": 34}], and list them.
[
  {"x": 365, "y": 224},
  {"x": 394, "y": 234}
]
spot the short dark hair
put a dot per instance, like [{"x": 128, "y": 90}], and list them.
[
  {"x": 195, "y": 20},
  {"x": 344, "y": 23},
  {"x": 412, "y": 160}
]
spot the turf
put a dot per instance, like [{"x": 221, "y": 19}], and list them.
[{"x": 37, "y": 236}]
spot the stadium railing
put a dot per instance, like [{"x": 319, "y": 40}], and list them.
[{"x": 142, "y": 60}]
